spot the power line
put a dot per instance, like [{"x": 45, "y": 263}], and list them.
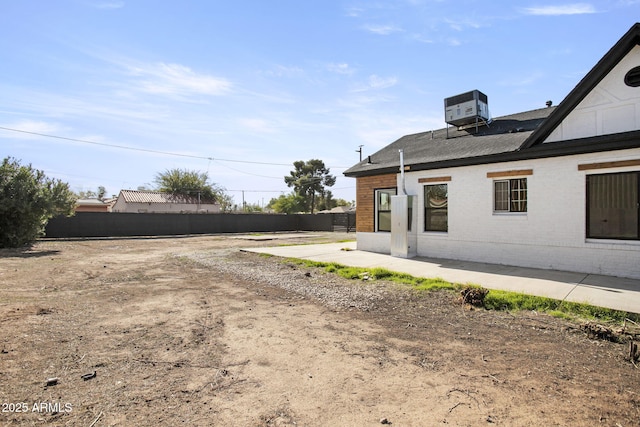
[{"x": 145, "y": 150}]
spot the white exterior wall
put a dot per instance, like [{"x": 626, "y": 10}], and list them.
[
  {"x": 379, "y": 242},
  {"x": 550, "y": 235}
]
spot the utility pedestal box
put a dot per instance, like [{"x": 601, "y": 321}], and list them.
[{"x": 404, "y": 237}]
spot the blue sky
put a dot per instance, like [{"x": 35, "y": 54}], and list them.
[{"x": 242, "y": 89}]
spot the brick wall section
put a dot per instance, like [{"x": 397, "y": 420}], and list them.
[{"x": 365, "y": 198}]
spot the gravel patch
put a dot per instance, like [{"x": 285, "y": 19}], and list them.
[{"x": 330, "y": 289}]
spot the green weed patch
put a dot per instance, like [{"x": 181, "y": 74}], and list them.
[
  {"x": 493, "y": 300},
  {"x": 513, "y": 301},
  {"x": 378, "y": 273}
]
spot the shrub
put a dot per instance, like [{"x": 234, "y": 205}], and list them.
[{"x": 28, "y": 199}]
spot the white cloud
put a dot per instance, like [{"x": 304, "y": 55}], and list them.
[
  {"x": 354, "y": 12},
  {"x": 342, "y": 68},
  {"x": 179, "y": 80},
  {"x": 285, "y": 71},
  {"x": 566, "y": 9},
  {"x": 383, "y": 30},
  {"x": 30, "y": 127},
  {"x": 461, "y": 24},
  {"x": 376, "y": 82},
  {"x": 377, "y": 129},
  {"x": 422, "y": 39}
]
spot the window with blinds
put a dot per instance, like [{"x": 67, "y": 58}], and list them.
[
  {"x": 383, "y": 208},
  {"x": 613, "y": 206}
]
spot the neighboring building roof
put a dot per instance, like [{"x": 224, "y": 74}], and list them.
[
  {"x": 513, "y": 137},
  {"x": 94, "y": 205},
  {"x": 339, "y": 209},
  {"x": 87, "y": 202},
  {"x": 145, "y": 196}
]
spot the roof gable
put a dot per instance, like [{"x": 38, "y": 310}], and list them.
[{"x": 601, "y": 103}]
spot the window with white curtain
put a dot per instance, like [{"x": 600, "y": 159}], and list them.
[
  {"x": 510, "y": 195},
  {"x": 436, "y": 207}
]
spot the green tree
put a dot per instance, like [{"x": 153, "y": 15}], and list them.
[
  {"x": 343, "y": 202},
  {"x": 309, "y": 180},
  {"x": 90, "y": 194},
  {"x": 327, "y": 202},
  {"x": 185, "y": 183},
  {"x": 226, "y": 202},
  {"x": 28, "y": 199},
  {"x": 252, "y": 207},
  {"x": 289, "y": 204}
]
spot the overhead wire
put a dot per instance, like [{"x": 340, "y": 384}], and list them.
[
  {"x": 148, "y": 150},
  {"x": 167, "y": 153}
]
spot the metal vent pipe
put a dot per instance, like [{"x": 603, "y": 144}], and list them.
[{"x": 404, "y": 190}]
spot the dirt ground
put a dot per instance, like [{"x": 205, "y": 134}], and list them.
[{"x": 176, "y": 341}]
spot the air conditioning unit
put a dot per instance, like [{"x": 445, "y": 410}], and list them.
[{"x": 466, "y": 108}]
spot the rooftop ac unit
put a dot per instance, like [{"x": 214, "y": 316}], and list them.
[{"x": 466, "y": 108}]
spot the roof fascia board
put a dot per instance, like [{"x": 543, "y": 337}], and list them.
[{"x": 585, "y": 86}]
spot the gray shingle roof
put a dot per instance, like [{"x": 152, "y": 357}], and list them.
[{"x": 504, "y": 134}]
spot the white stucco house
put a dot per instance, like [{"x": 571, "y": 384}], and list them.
[
  {"x": 555, "y": 188},
  {"x": 136, "y": 201},
  {"x": 94, "y": 205}
]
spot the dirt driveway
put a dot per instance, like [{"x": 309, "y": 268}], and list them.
[{"x": 192, "y": 331}]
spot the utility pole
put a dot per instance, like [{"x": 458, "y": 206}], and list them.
[{"x": 359, "y": 150}]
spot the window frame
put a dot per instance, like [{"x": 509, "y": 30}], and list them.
[
  {"x": 589, "y": 233},
  {"x": 514, "y": 205},
  {"x": 428, "y": 209},
  {"x": 632, "y": 77},
  {"x": 392, "y": 191}
]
